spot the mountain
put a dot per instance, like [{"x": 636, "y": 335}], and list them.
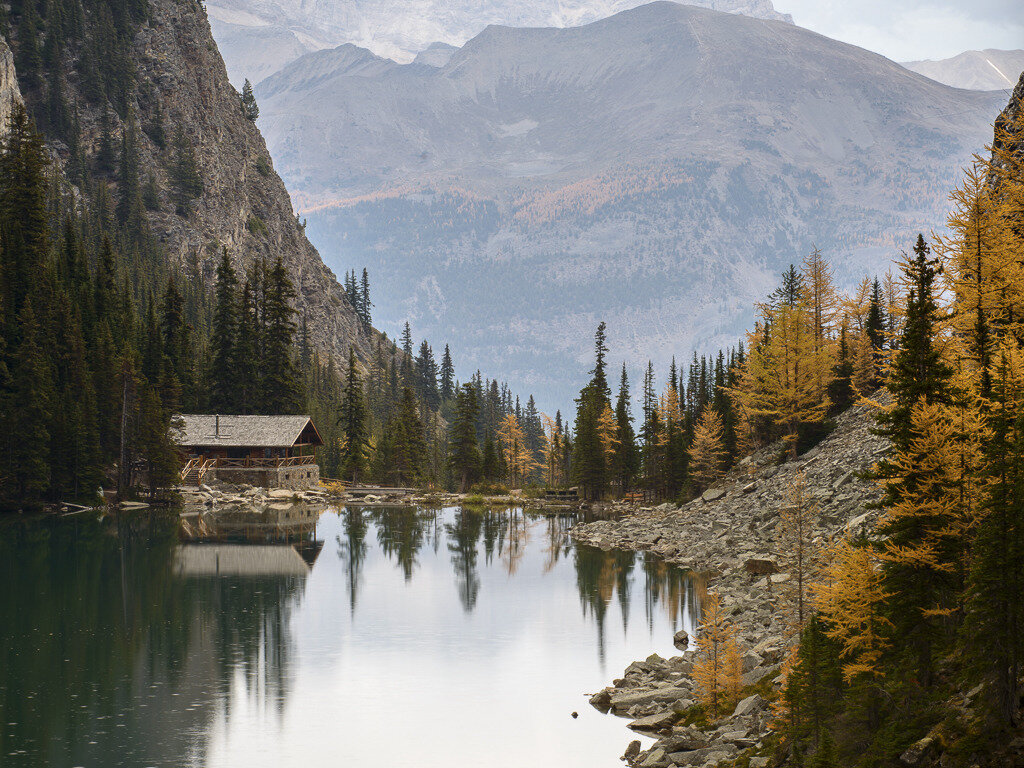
[
  {"x": 165, "y": 92},
  {"x": 253, "y": 49},
  {"x": 258, "y": 37},
  {"x": 986, "y": 70},
  {"x": 656, "y": 169}
]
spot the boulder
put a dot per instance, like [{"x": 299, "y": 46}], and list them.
[
  {"x": 681, "y": 640},
  {"x": 656, "y": 757},
  {"x": 713, "y": 494},
  {"x": 706, "y": 756},
  {"x": 280, "y": 493},
  {"x": 681, "y": 706},
  {"x": 632, "y": 750},
  {"x": 602, "y": 700},
  {"x": 760, "y": 567},
  {"x": 685, "y": 739},
  {"x": 917, "y": 753},
  {"x": 748, "y": 705},
  {"x": 621, "y": 702},
  {"x": 653, "y": 723}
]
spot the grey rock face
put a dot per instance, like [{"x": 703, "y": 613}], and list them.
[
  {"x": 10, "y": 94},
  {"x": 244, "y": 205}
]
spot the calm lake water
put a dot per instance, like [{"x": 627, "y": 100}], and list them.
[{"x": 415, "y": 638}]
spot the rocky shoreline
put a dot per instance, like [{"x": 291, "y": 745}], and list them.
[
  {"x": 225, "y": 495},
  {"x": 728, "y": 535}
]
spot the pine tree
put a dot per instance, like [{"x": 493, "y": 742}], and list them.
[
  {"x": 353, "y": 421},
  {"x": 223, "y": 382},
  {"x": 841, "y": 392},
  {"x": 280, "y": 378},
  {"x": 365, "y": 305},
  {"x": 994, "y": 625},
  {"x": 248, "y": 103},
  {"x": 186, "y": 181},
  {"x": 625, "y": 463},
  {"x": 32, "y": 401},
  {"x": 464, "y": 453},
  {"x": 447, "y": 376},
  {"x": 246, "y": 365}
]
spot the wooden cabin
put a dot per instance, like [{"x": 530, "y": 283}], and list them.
[{"x": 269, "y": 451}]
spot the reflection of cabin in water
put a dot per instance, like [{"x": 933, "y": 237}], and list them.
[{"x": 270, "y": 451}]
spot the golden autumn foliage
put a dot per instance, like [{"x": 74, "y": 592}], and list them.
[
  {"x": 707, "y": 450},
  {"x": 716, "y": 665},
  {"x": 930, "y": 518},
  {"x": 518, "y": 457},
  {"x": 850, "y": 597},
  {"x": 607, "y": 431},
  {"x": 552, "y": 449},
  {"x": 784, "y": 375}
]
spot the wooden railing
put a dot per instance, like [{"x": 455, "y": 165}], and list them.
[
  {"x": 205, "y": 467},
  {"x": 188, "y": 468},
  {"x": 250, "y": 463}
]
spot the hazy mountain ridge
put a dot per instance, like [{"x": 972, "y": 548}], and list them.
[
  {"x": 655, "y": 169},
  {"x": 398, "y": 31},
  {"x": 986, "y": 70}
]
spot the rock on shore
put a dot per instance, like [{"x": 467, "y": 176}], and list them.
[{"x": 729, "y": 536}]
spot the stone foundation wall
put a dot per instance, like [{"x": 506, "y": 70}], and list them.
[{"x": 297, "y": 477}]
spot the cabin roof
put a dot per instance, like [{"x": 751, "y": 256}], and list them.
[{"x": 247, "y": 431}]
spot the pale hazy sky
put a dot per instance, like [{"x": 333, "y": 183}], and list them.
[{"x": 906, "y": 30}]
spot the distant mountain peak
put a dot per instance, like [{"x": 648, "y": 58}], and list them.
[{"x": 988, "y": 70}]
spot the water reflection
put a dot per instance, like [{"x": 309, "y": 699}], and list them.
[{"x": 119, "y": 645}]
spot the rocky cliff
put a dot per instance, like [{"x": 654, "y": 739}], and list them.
[
  {"x": 180, "y": 87},
  {"x": 9, "y": 92}
]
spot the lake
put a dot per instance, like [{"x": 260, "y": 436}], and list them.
[{"x": 391, "y": 636}]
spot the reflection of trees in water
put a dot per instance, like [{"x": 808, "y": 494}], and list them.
[
  {"x": 558, "y": 543},
  {"x": 463, "y": 534},
  {"x": 352, "y": 550},
  {"x": 680, "y": 593},
  {"x": 599, "y": 575},
  {"x": 514, "y": 537},
  {"x": 602, "y": 576},
  {"x": 97, "y": 631},
  {"x": 400, "y": 536}
]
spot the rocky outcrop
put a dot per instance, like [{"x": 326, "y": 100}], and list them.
[
  {"x": 1009, "y": 121},
  {"x": 729, "y": 535},
  {"x": 181, "y": 88},
  {"x": 245, "y": 205},
  {"x": 9, "y": 91}
]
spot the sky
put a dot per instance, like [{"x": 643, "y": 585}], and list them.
[{"x": 907, "y": 30}]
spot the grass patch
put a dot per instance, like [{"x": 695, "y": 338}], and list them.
[{"x": 256, "y": 226}]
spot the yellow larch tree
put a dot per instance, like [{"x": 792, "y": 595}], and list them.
[
  {"x": 707, "y": 449},
  {"x": 822, "y": 299},
  {"x": 784, "y": 373},
  {"x": 552, "y": 448},
  {"x": 607, "y": 432},
  {"x": 923, "y": 553},
  {"x": 716, "y": 665},
  {"x": 850, "y": 598},
  {"x": 518, "y": 458}
]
